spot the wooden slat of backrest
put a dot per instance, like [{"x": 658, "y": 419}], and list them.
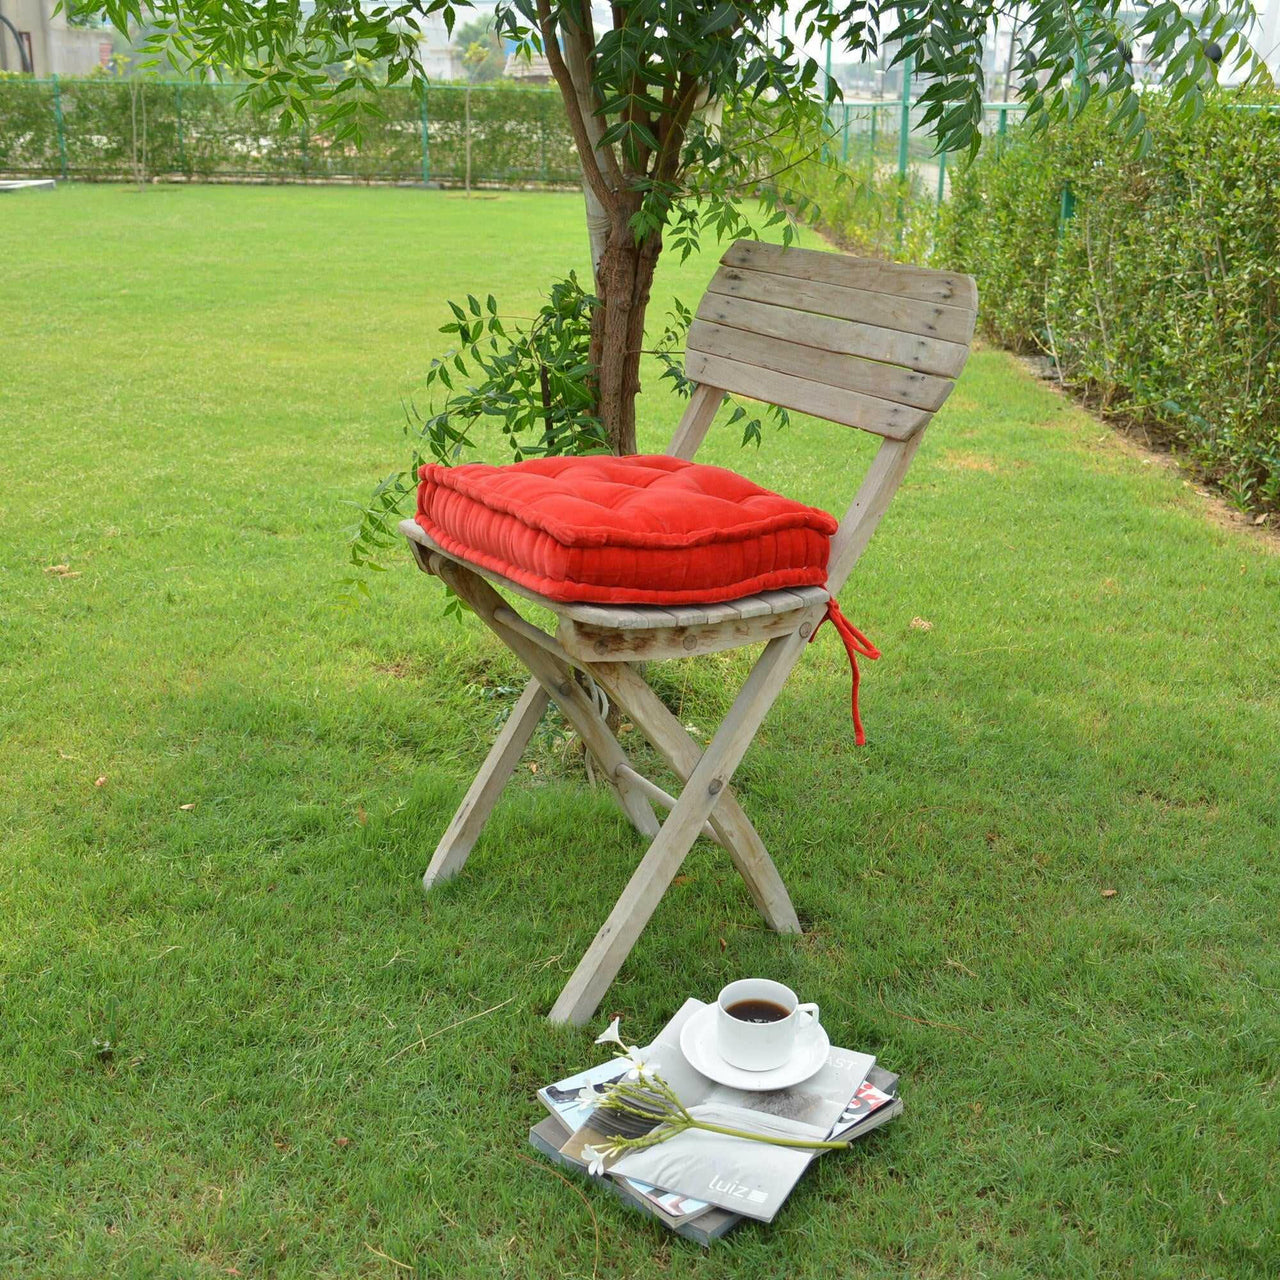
[
  {"x": 841, "y": 337},
  {"x": 853, "y": 409},
  {"x": 921, "y": 283},
  {"x": 885, "y": 381},
  {"x": 886, "y": 311}
]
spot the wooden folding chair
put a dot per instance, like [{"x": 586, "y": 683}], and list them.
[{"x": 865, "y": 343}]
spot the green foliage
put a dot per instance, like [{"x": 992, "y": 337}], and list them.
[
  {"x": 206, "y": 131},
  {"x": 1160, "y": 296},
  {"x": 867, "y": 208},
  {"x": 28, "y": 127},
  {"x": 656, "y": 53},
  {"x": 482, "y": 52},
  {"x": 1001, "y": 224},
  {"x": 531, "y": 380},
  {"x": 529, "y": 384}
]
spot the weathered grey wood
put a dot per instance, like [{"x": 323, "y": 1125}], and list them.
[
  {"x": 510, "y": 619},
  {"x": 668, "y": 737},
  {"x": 681, "y": 615},
  {"x": 870, "y": 377},
  {"x": 704, "y": 401},
  {"x": 557, "y": 679},
  {"x": 882, "y": 417},
  {"x": 612, "y": 944},
  {"x": 580, "y": 640},
  {"x": 659, "y": 796},
  {"x": 844, "y": 337},
  {"x": 888, "y": 311},
  {"x": 640, "y": 617},
  {"x": 780, "y": 601},
  {"x": 421, "y": 554},
  {"x": 780, "y": 598},
  {"x": 482, "y": 795},
  {"x": 923, "y": 283}
]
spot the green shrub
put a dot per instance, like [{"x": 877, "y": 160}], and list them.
[
  {"x": 28, "y": 137},
  {"x": 1160, "y": 293},
  {"x": 868, "y": 209},
  {"x": 201, "y": 131}
]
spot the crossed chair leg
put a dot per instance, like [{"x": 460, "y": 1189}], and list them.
[{"x": 706, "y": 805}]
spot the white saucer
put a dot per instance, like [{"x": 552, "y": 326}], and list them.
[{"x": 698, "y": 1044}]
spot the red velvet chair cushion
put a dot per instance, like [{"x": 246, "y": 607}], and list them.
[{"x": 645, "y": 530}]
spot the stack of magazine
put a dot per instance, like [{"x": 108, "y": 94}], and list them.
[{"x": 701, "y": 1184}]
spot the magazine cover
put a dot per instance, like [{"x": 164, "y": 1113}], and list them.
[{"x": 877, "y": 1091}]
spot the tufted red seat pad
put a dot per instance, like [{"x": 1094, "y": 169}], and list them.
[{"x": 648, "y": 529}]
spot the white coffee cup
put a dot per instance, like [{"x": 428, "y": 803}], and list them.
[{"x": 760, "y": 1045}]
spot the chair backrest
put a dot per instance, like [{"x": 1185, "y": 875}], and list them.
[{"x": 866, "y": 343}]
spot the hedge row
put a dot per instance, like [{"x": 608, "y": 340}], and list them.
[
  {"x": 108, "y": 129},
  {"x": 1155, "y": 282},
  {"x": 867, "y": 209}
]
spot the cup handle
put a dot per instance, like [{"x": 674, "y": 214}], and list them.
[{"x": 810, "y": 1009}]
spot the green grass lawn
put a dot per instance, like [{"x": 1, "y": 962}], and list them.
[{"x": 195, "y": 382}]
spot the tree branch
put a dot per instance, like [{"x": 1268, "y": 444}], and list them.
[
  {"x": 573, "y": 109},
  {"x": 673, "y": 139},
  {"x": 579, "y": 55}
]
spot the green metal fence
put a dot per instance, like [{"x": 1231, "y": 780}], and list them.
[{"x": 886, "y": 137}]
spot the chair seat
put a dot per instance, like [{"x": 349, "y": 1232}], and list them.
[{"x": 639, "y": 617}]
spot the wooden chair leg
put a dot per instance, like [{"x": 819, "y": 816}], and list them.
[
  {"x": 625, "y": 685},
  {"x": 612, "y": 944},
  {"x": 556, "y": 678},
  {"x": 482, "y": 795}
]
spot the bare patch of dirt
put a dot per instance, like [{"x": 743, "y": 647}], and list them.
[
  {"x": 402, "y": 669},
  {"x": 956, "y": 460}
]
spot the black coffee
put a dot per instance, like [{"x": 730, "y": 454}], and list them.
[{"x": 757, "y": 1011}]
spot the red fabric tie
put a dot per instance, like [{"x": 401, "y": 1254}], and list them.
[{"x": 855, "y": 643}]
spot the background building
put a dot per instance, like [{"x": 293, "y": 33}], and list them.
[{"x": 52, "y": 45}]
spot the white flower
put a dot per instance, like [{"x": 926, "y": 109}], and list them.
[
  {"x": 610, "y": 1036},
  {"x": 595, "y": 1161},
  {"x": 587, "y": 1096},
  {"x": 639, "y": 1063}
]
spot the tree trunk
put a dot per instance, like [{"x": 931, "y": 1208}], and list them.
[
  {"x": 623, "y": 282},
  {"x": 623, "y": 268}
]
